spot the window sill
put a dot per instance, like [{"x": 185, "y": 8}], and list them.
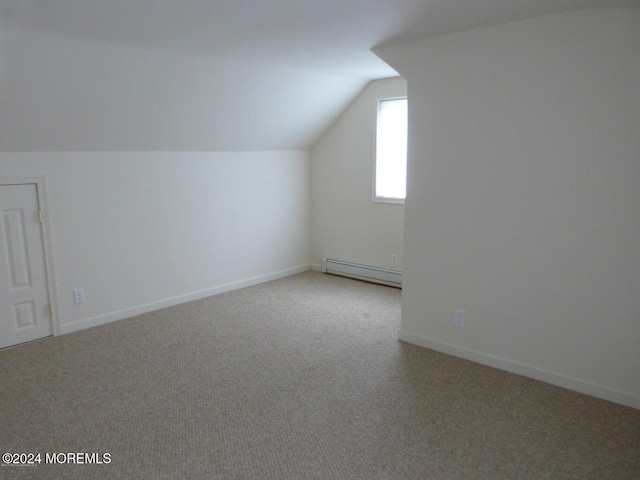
[{"x": 393, "y": 201}]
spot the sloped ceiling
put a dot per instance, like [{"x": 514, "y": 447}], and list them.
[{"x": 208, "y": 74}]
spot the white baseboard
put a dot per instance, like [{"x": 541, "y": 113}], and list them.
[
  {"x": 606, "y": 393},
  {"x": 169, "y": 302}
]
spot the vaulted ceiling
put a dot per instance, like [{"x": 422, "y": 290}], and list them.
[{"x": 209, "y": 74}]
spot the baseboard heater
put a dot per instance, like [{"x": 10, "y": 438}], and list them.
[{"x": 369, "y": 273}]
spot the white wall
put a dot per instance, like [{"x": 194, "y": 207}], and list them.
[
  {"x": 524, "y": 198},
  {"x": 142, "y": 230},
  {"x": 72, "y": 94},
  {"x": 147, "y": 206},
  {"x": 346, "y": 224},
  {"x": 3, "y": 78}
]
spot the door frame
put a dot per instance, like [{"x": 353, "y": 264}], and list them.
[{"x": 45, "y": 227}]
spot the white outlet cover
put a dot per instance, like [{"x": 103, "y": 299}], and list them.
[{"x": 78, "y": 296}]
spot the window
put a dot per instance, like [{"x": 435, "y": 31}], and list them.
[{"x": 390, "y": 173}]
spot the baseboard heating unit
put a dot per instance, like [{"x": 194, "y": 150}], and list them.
[{"x": 369, "y": 273}]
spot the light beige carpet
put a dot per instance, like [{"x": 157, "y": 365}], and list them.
[{"x": 301, "y": 378}]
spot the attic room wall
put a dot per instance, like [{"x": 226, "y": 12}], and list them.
[
  {"x": 346, "y": 224},
  {"x": 143, "y": 230},
  {"x": 139, "y": 230},
  {"x": 76, "y": 94},
  {"x": 523, "y": 198},
  {"x": 3, "y": 78}
]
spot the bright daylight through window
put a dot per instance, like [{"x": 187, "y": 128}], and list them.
[{"x": 391, "y": 151}]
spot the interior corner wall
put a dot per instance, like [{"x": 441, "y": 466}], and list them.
[
  {"x": 3, "y": 78},
  {"x": 143, "y": 230},
  {"x": 346, "y": 223},
  {"x": 524, "y": 198}
]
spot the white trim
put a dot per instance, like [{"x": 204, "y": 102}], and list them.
[
  {"x": 600, "y": 391},
  {"x": 389, "y": 201},
  {"x": 40, "y": 182},
  {"x": 169, "y": 302}
]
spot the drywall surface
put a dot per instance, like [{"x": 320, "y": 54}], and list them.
[
  {"x": 346, "y": 223},
  {"x": 64, "y": 93},
  {"x": 524, "y": 197},
  {"x": 142, "y": 230},
  {"x": 3, "y": 77}
]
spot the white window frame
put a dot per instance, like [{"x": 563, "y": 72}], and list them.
[{"x": 376, "y": 108}]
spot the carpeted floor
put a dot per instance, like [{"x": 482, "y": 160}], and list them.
[{"x": 300, "y": 378}]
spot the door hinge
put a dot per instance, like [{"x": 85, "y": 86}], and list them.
[
  {"x": 50, "y": 310},
  {"x": 40, "y": 215}
]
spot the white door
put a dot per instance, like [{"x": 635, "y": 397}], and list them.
[{"x": 24, "y": 297}]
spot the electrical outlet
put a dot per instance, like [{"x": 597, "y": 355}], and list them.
[
  {"x": 458, "y": 318},
  {"x": 78, "y": 296},
  {"x": 394, "y": 260}
]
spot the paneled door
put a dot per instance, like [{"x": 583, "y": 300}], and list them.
[{"x": 24, "y": 297}]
